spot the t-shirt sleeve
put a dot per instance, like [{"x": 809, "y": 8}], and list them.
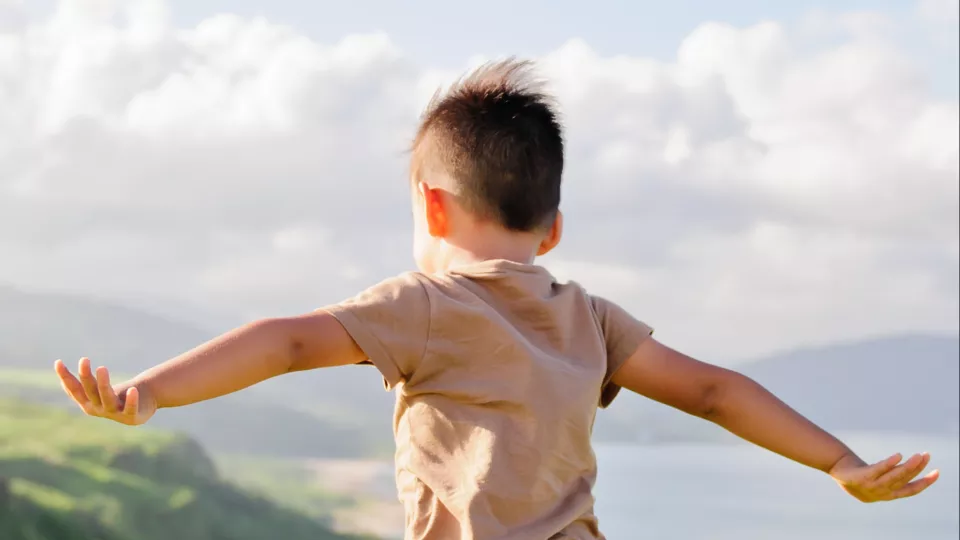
[
  {"x": 390, "y": 323},
  {"x": 622, "y": 334}
]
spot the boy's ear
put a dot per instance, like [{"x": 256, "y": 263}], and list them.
[
  {"x": 552, "y": 238},
  {"x": 435, "y": 211}
]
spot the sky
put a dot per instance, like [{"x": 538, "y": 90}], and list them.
[{"x": 746, "y": 178}]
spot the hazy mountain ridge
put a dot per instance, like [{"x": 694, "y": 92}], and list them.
[
  {"x": 902, "y": 383},
  {"x": 36, "y": 329},
  {"x": 906, "y": 383}
]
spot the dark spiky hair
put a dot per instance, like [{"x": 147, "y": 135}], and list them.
[{"x": 497, "y": 135}]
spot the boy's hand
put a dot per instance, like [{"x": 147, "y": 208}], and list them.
[
  {"x": 886, "y": 480},
  {"x": 96, "y": 397}
]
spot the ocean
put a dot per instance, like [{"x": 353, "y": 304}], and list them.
[{"x": 741, "y": 492}]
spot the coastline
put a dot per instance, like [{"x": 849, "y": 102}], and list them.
[{"x": 371, "y": 483}]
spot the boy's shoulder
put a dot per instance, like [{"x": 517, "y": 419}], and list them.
[
  {"x": 479, "y": 281},
  {"x": 403, "y": 287},
  {"x": 409, "y": 288}
]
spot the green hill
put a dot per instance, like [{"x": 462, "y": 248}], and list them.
[
  {"x": 246, "y": 423},
  {"x": 65, "y": 477}
]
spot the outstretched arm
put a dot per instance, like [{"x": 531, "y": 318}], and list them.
[
  {"x": 231, "y": 362},
  {"x": 743, "y": 407}
]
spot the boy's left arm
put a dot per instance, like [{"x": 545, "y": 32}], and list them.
[
  {"x": 231, "y": 362},
  {"x": 743, "y": 407},
  {"x": 387, "y": 324}
]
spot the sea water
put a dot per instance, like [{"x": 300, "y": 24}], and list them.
[{"x": 715, "y": 492}]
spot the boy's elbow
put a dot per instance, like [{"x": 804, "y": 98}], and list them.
[
  {"x": 292, "y": 343},
  {"x": 710, "y": 403},
  {"x": 715, "y": 399}
]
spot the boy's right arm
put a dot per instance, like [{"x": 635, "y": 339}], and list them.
[
  {"x": 231, "y": 362},
  {"x": 743, "y": 407}
]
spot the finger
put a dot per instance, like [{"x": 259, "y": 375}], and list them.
[
  {"x": 916, "y": 487},
  {"x": 89, "y": 382},
  {"x": 923, "y": 459},
  {"x": 883, "y": 467},
  {"x": 71, "y": 385},
  {"x": 900, "y": 475},
  {"x": 107, "y": 395},
  {"x": 132, "y": 402}
]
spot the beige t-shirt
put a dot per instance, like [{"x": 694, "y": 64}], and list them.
[{"x": 499, "y": 370}]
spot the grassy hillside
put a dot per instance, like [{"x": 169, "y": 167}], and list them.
[
  {"x": 247, "y": 423},
  {"x": 63, "y": 476}
]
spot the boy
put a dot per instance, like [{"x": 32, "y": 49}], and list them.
[{"x": 499, "y": 369}]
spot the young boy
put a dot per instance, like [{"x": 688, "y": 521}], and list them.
[{"x": 499, "y": 369}]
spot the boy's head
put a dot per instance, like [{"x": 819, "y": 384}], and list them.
[{"x": 486, "y": 167}]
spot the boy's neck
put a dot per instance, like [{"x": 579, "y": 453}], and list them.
[{"x": 491, "y": 243}]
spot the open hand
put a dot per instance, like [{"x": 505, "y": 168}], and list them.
[
  {"x": 886, "y": 480},
  {"x": 96, "y": 397}
]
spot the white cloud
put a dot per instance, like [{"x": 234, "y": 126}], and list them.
[
  {"x": 942, "y": 20},
  {"x": 755, "y": 193},
  {"x": 946, "y": 11}
]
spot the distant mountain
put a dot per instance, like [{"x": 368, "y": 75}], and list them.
[
  {"x": 907, "y": 384},
  {"x": 36, "y": 329}
]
